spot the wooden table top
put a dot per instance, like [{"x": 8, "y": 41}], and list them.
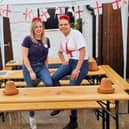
[
  {"x": 51, "y": 98},
  {"x": 12, "y": 63},
  {"x": 18, "y": 74},
  {"x": 64, "y": 93}
]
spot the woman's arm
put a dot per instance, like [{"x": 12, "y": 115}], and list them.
[
  {"x": 27, "y": 63},
  {"x": 46, "y": 62}
]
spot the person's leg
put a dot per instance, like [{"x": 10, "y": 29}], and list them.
[
  {"x": 59, "y": 74},
  {"x": 32, "y": 120},
  {"x": 27, "y": 78},
  {"x": 62, "y": 71},
  {"x": 83, "y": 71},
  {"x": 82, "y": 74},
  {"x": 45, "y": 76},
  {"x": 29, "y": 84}
]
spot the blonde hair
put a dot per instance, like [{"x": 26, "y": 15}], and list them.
[{"x": 32, "y": 35}]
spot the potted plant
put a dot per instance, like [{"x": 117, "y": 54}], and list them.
[{"x": 78, "y": 24}]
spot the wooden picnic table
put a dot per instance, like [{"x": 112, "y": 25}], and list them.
[{"x": 46, "y": 98}]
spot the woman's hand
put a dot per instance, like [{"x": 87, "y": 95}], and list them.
[
  {"x": 75, "y": 74},
  {"x": 33, "y": 75}
]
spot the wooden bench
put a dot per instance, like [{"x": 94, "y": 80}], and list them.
[
  {"x": 11, "y": 107},
  {"x": 63, "y": 82},
  {"x": 115, "y": 77}
]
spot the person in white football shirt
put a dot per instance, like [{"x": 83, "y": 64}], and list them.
[{"x": 72, "y": 44}]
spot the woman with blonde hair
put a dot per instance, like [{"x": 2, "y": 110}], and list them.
[{"x": 35, "y": 53}]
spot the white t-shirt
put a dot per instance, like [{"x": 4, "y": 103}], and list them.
[{"x": 74, "y": 41}]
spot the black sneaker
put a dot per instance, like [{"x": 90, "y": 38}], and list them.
[
  {"x": 71, "y": 125},
  {"x": 55, "y": 112}
]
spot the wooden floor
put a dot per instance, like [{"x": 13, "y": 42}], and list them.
[{"x": 45, "y": 121}]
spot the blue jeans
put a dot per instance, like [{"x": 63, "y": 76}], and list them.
[
  {"x": 41, "y": 72},
  {"x": 67, "y": 70}
]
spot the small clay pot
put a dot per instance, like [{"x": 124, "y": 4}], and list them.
[
  {"x": 106, "y": 86},
  {"x": 10, "y": 88}
]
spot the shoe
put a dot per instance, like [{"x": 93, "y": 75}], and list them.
[
  {"x": 55, "y": 112},
  {"x": 32, "y": 123},
  {"x": 71, "y": 125}
]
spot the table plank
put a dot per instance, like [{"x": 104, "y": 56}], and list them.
[
  {"x": 62, "y": 94},
  {"x": 13, "y": 63}
]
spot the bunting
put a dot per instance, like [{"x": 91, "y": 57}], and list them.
[
  {"x": 27, "y": 14},
  {"x": 70, "y": 9},
  {"x": 44, "y": 15},
  {"x": 79, "y": 12},
  {"x": 116, "y": 4},
  {"x": 97, "y": 8}
]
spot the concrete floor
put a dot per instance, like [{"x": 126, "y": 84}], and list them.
[{"x": 87, "y": 120}]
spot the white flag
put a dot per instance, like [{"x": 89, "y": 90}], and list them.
[
  {"x": 97, "y": 8},
  {"x": 44, "y": 15},
  {"x": 116, "y": 4}
]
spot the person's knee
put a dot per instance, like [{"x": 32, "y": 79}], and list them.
[
  {"x": 54, "y": 78},
  {"x": 49, "y": 83}
]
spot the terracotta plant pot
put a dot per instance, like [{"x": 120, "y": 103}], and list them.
[
  {"x": 10, "y": 88},
  {"x": 106, "y": 86},
  {"x": 92, "y": 64}
]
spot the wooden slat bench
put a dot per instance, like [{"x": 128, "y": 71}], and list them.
[
  {"x": 63, "y": 82},
  {"x": 11, "y": 107}
]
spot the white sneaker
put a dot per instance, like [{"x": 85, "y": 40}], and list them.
[{"x": 32, "y": 123}]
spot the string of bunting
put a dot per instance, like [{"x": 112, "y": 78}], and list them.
[{"x": 28, "y": 14}]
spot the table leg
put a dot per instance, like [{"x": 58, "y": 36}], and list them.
[
  {"x": 108, "y": 115},
  {"x": 117, "y": 114},
  {"x": 103, "y": 118}
]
